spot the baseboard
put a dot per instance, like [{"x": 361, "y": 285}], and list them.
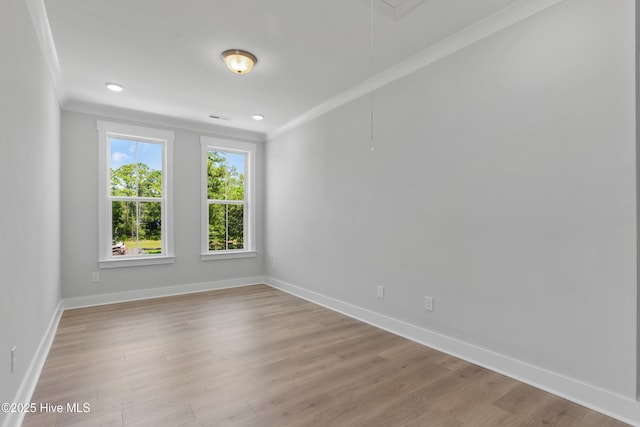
[
  {"x": 28, "y": 385},
  {"x": 30, "y": 380},
  {"x": 102, "y": 299},
  {"x": 611, "y": 404}
]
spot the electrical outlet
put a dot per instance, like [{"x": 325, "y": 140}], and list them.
[
  {"x": 95, "y": 276},
  {"x": 380, "y": 291},
  {"x": 428, "y": 303},
  {"x": 13, "y": 358}
]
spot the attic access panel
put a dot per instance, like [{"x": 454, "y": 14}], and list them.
[{"x": 398, "y": 8}]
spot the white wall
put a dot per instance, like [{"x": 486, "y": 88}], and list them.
[
  {"x": 637, "y": 197},
  {"x": 502, "y": 184},
  {"x": 80, "y": 215},
  {"x": 30, "y": 193}
]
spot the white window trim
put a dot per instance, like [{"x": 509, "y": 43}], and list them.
[
  {"x": 105, "y": 255},
  {"x": 210, "y": 143}
]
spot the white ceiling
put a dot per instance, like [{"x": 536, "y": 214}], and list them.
[{"x": 166, "y": 53}]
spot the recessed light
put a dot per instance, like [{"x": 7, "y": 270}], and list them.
[
  {"x": 257, "y": 117},
  {"x": 114, "y": 87}
]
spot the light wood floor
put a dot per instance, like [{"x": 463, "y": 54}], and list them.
[{"x": 255, "y": 356}]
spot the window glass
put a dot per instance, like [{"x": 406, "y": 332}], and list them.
[
  {"x": 228, "y": 211},
  {"x": 135, "y": 209}
]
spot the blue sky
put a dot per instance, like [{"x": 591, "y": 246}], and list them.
[
  {"x": 236, "y": 160},
  {"x": 233, "y": 159},
  {"x": 124, "y": 152}
]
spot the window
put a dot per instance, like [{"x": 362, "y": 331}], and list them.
[
  {"x": 135, "y": 203},
  {"x": 228, "y": 199}
]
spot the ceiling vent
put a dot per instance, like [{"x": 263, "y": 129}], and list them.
[
  {"x": 399, "y": 8},
  {"x": 219, "y": 117}
]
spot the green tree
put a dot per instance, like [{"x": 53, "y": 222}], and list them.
[
  {"x": 136, "y": 179},
  {"x": 226, "y": 220},
  {"x": 132, "y": 220}
]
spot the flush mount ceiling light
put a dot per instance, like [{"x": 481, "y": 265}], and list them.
[
  {"x": 114, "y": 87},
  {"x": 239, "y": 61},
  {"x": 258, "y": 116}
]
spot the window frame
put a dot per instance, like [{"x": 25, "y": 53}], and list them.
[
  {"x": 107, "y": 130},
  {"x": 207, "y": 144}
]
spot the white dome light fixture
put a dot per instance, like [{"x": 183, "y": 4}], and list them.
[
  {"x": 258, "y": 116},
  {"x": 239, "y": 61}
]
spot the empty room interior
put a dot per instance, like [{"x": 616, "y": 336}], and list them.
[{"x": 319, "y": 213}]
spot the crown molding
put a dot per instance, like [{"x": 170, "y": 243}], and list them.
[
  {"x": 136, "y": 116},
  {"x": 478, "y": 31},
  {"x": 494, "y": 23},
  {"x": 42, "y": 28}
]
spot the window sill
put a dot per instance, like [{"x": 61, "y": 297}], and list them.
[
  {"x": 136, "y": 262},
  {"x": 228, "y": 255}
]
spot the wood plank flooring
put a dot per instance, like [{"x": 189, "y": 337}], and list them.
[{"x": 255, "y": 356}]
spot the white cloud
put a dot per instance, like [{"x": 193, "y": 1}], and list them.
[{"x": 118, "y": 157}]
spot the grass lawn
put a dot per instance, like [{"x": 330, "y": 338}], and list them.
[{"x": 149, "y": 246}]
